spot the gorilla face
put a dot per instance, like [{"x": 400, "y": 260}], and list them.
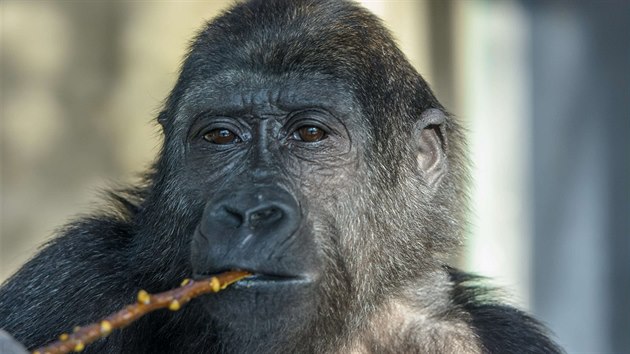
[{"x": 273, "y": 162}]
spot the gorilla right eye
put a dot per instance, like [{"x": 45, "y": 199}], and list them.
[{"x": 221, "y": 136}]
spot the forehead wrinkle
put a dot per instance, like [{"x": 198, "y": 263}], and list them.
[
  {"x": 239, "y": 92},
  {"x": 200, "y": 95}
]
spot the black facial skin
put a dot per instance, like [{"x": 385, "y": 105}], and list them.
[{"x": 300, "y": 145}]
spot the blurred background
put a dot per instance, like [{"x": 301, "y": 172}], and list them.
[{"x": 543, "y": 87}]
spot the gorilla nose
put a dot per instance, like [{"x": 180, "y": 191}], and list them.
[
  {"x": 269, "y": 211},
  {"x": 254, "y": 218}
]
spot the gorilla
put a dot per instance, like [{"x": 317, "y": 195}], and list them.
[{"x": 299, "y": 145}]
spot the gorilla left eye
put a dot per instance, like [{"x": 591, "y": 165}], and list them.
[
  {"x": 221, "y": 136},
  {"x": 309, "y": 134}
]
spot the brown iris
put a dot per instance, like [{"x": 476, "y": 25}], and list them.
[
  {"x": 220, "y": 136},
  {"x": 311, "y": 134}
]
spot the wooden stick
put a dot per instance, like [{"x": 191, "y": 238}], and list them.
[{"x": 173, "y": 299}]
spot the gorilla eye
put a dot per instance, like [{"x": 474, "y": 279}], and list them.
[
  {"x": 221, "y": 136},
  {"x": 309, "y": 134}
]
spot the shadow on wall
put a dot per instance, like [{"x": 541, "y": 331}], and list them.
[{"x": 581, "y": 171}]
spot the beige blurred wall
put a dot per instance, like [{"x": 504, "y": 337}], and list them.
[{"x": 81, "y": 85}]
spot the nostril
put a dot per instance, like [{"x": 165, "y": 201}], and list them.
[
  {"x": 229, "y": 217},
  {"x": 265, "y": 215}
]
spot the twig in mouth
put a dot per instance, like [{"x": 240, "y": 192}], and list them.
[{"x": 172, "y": 299}]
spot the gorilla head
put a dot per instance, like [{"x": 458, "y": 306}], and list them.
[{"x": 315, "y": 157}]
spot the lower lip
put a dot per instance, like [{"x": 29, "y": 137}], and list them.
[
  {"x": 262, "y": 280},
  {"x": 258, "y": 280}
]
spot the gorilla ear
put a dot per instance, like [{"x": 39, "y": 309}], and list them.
[{"x": 430, "y": 144}]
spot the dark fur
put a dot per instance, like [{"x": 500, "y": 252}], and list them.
[
  {"x": 383, "y": 229},
  {"x": 501, "y": 328}
]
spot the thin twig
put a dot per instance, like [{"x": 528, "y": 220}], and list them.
[{"x": 173, "y": 299}]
